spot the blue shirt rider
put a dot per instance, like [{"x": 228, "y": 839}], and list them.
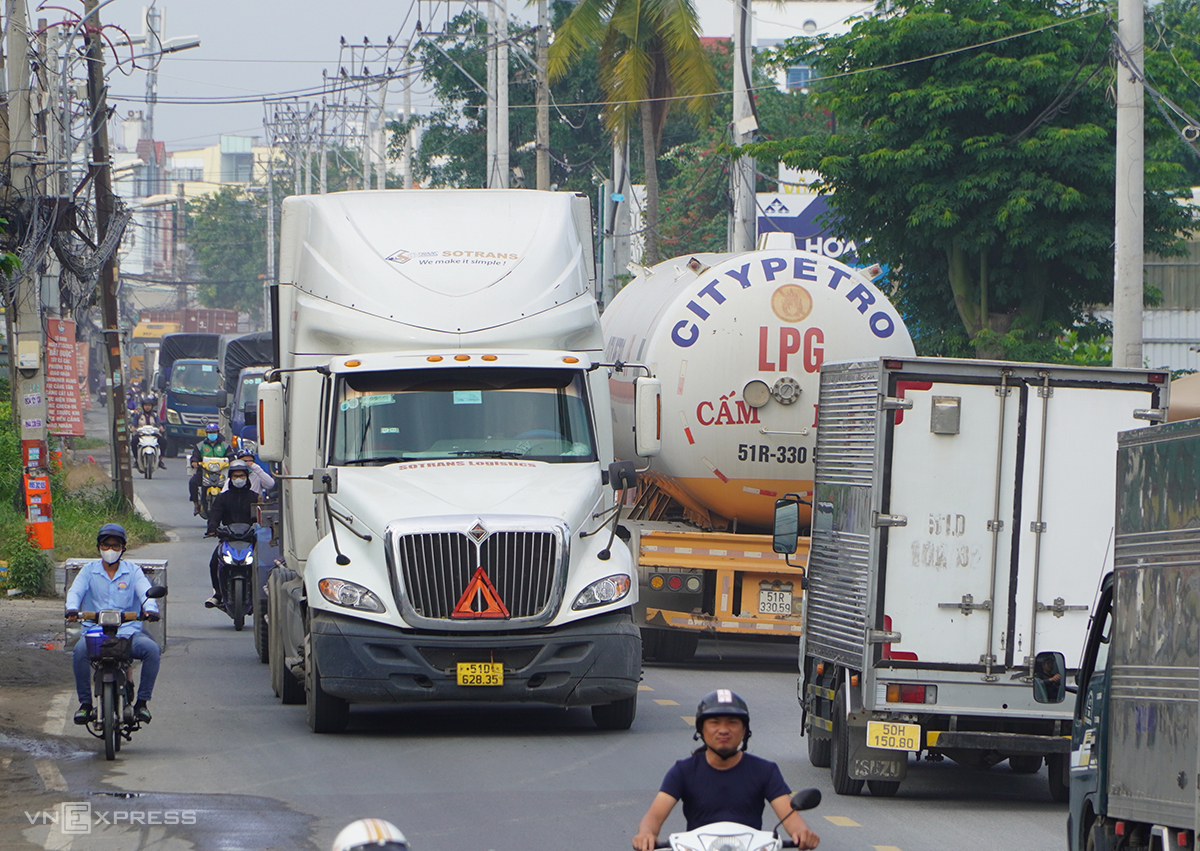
[{"x": 111, "y": 582}]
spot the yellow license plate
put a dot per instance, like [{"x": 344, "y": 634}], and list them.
[
  {"x": 893, "y": 737},
  {"x": 200, "y": 432},
  {"x": 480, "y": 673}
]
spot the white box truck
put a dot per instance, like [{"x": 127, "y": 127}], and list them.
[
  {"x": 963, "y": 519},
  {"x": 445, "y": 435}
]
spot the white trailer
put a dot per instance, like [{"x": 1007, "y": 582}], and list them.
[
  {"x": 439, "y": 385},
  {"x": 963, "y": 515}
]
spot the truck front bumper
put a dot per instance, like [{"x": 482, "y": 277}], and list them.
[{"x": 594, "y": 661}]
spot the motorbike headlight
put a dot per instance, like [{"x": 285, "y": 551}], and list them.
[
  {"x": 610, "y": 589},
  {"x": 250, "y": 558},
  {"x": 352, "y": 596},
  {"x": 173, "y": 417},
  {"x": 109, "y": 618},
  {"x": 733, "y": 842},
  {"x": 225, "y": 557}
]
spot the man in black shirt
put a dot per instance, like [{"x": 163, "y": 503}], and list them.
[
  {"x": 720, "y": 781},
  {"x": 235, "y": 505}
]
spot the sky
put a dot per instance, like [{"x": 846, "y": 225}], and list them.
[{"x": 252, "y": 47}]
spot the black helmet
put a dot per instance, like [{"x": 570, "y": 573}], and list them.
[
  {"x": 111, "y": 530},
  {"x": 723, "y": 702}
]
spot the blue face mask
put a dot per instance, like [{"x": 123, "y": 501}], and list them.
[{"x": 213, "y": 438}]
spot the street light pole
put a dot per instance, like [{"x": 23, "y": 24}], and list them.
[{"x": 1130, "y": 190}]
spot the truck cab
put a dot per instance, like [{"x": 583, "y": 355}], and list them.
[
  {"x": 243, "y": 408},
  {"x": 193, "y": 399}
]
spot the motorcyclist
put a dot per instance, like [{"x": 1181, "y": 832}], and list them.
[
  {"x": 146, "y": 415},
  {"x": 370, "y": 833},
  {"x": 720, "y": 781},
  {"x": 235, "y": 505},
  {"x": 260, "y": 479},
  {"x": 110, "y": 582},
  {"x": 213, "y": 446}
]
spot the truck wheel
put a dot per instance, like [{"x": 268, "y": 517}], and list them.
[
  {"x": 678, "y": 645},
  {"x": 287, "y": 688},
  {"x": 273, "y": 640},
  {"x": 615, "y": 716},
  {"x": 883, "y": 788},
  {"x": 839, "y": 755},
  {"x": 818, "y": 750},
  {"x": 261, "y": 638},
  {"x": 326, "y": 713},
  {"x": 172, "y": 449},
  {"x": 651, "y": 640},
  {"x": 1025, "y": 764},
  {"x": 1060, "y": 786}
]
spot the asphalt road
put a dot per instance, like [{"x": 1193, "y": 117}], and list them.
[{"x": 223, "y": 754}]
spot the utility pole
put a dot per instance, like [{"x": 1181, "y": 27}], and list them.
[
  {"x": 616, "y": 224},
  {"x": 105, "y": 204},
  {"x": 1130, "y": 197},
  {"x": 543, "y": 97},
  {"x": 502, "y": 94},
  {"x": 324, "y": 152},
  {"x": 743, "y": 222},
  {"x": 490, "y": 113},
  {"x": 29, "y": 337},
  {"x": 408, "y": 107}
]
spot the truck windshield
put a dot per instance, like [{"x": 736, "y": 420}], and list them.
[
  {"x": 248, "y": 395},
  {"x": 196, "y": 379},
  {"x": 535, "y": 414}
]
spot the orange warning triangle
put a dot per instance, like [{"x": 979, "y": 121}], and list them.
[{"x": 480, "y": 600}]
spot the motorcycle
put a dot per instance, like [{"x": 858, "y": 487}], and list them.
[
  {"x": 212, "y": 479},
  {"x": 235, "y": 573},
  {"x": 111, "y": 657},
  {"x": 147, "y": 450},
  {"x": 730, "y": 836}
]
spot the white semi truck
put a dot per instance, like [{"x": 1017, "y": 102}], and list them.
[
  {"x": 962, "y": 522},
  {"x": 444, "y": 431}
]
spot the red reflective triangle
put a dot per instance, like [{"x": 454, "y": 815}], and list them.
[{"x": 480, "y": 600}]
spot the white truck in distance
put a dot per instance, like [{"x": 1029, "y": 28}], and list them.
[{"x": 439, "y": 384}]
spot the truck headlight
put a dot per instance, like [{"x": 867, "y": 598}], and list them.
[
  {"x": 352, "y": 596},
  {"x": 172, "y": 417},
  {"x": 602, "y": 591}
]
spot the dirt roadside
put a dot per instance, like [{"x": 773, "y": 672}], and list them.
[{"x": 34, "y": 669}]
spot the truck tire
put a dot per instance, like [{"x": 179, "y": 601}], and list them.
[
  {"x": 1060, "y": 786},
  {"x": 818, "y": 750},
  {"x": 287, "y": 688},
  {"x": 261, "y": 637},
  {"x": 1025, "y": 764},
  {"x": 326, "y": 713},
  {"x": 172, "y": 450},
  {"x": 883, "y": 788},
  {"x": 615, "y": 716},
  {"x": 678, "y": 645},
  {"x": 839, "y": 755},
  {"x": 651, "y": 639}
]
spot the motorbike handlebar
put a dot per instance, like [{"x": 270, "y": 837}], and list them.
[{"x": 125, "y": 616}]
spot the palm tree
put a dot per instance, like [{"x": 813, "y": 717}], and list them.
[{"x": 650, "y": 58}]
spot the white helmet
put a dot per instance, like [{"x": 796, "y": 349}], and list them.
[{"x": 370, "y": 833}]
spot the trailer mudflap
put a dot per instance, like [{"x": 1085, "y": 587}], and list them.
[
  {"x": 867, "y": 763},
  {"x": 1005, "y": 743}
]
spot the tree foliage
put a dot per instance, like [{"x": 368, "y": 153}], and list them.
[
  {"x": 227, "y": 235},
  {"x": 974, "y": 155}
]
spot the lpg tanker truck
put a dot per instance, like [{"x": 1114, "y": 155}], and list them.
[{"x": 737, "y": 341}]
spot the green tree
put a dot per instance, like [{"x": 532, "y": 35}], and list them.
[
  {"x": 975, "y": 157},
  {"x": 452, "y": 151},
  {"x": 227, "y": 234},
  {"x": 649, "y": 54}
]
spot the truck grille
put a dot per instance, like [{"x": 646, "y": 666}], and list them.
[
  {"x": 197, "y": 419},
  {"x": 435, "y": 569}
]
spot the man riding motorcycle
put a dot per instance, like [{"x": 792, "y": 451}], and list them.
[
  {"x": 110, "y": 582},
  {"x": 146, "y": 415},
  {"x": 260, "y": 479},
  {"x": 720, "y": 781},
  {"x": 213, "y": 446},
  {"x": 235, "y": 505}
]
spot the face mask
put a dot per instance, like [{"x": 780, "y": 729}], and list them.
[
  {"x": 110, "y": 556},
  {"x": 238, "y": 483},
  {"x": 212, "y": 438}
]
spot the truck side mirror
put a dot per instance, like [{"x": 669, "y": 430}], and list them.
[
  {"x": 785, "y": 537},
  {"x": 270, "y": 421},
  {"x": 222, "y": 399},
  {"x": 622, "y": 475},
  {"x": 647, "y": 416},
  {"x": 1049, "y": 677}
]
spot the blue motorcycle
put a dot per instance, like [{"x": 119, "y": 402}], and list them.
[{"x": 235, "y": 573}]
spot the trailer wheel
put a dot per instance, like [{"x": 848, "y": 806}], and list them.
[
  {"x": 839, "y": 755},
  {"x": 651, "y": 639},
  {"x": 883, "y": 788},
  {"x": 1025, "y": 764},
  {"x": 818, "y": 750},
  {"x": 1060, "y": 786},
  {"x": 678, "y": 645}
]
